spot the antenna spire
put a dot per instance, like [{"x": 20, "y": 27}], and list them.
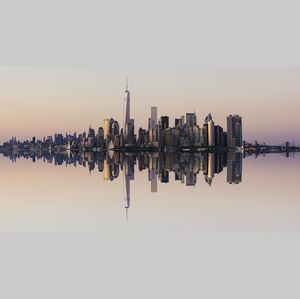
[{"x": 126, "y": 84}]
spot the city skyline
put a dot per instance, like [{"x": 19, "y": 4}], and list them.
[
  {"x": 185, "y": 134},
  {"x": 77, "y": 98}
]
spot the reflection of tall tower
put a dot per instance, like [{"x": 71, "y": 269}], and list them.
[
  {"x": 106, "y": 170},
  {"x": 127, "y": 191},
  {"x": 152, "y": 175},
  {"x": 127, "y": 194},
  {"x": 128, "y": 176},
  {"x": 210, "y": 168}
]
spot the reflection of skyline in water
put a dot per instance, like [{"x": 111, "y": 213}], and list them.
[
  {"x": 186, "y": 166},
  {"x": 41, "y": 196}
]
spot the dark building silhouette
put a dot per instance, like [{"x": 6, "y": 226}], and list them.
[
  {"x": 234, "y": 131},
  {"x": 164, "y": 122},
  {"x": 128, "y": 122},
  {"x": 191, "y": 119}
]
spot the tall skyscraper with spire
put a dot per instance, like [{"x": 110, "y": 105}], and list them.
[
  {"x": 128, "y": 122},
  {"x": 127, "y": 104}
]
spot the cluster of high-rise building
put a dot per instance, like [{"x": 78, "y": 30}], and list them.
[{"x": 186, "y": 133}]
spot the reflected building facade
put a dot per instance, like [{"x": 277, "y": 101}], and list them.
[
  {"x": 234, "y": 168},
  {"x": 186, "y": 166}
]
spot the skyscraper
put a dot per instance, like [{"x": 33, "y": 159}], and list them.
[
  {"x": 164, "y": 122},
  {"x": 128, "y": 122},
  {"x": 106, "y": 127},
  {"x": 152, "y": 121},
  {"x": 110, "y": 130},
  {"x": 210, "y": 130},
  {"x": 191, "y": 119},
  {"x": 127, "y": 105},
  {"x": 234, "y": 131},
  {"x": 153, "y": 117},
  {"x": 219, "y": 136}
]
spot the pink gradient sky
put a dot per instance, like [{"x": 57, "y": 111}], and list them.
[{"x": 41, "y": 101}]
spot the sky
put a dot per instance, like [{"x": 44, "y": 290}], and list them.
[{"x": 63, "y": 64}]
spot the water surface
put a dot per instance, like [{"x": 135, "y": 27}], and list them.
[{"x": 129, "y": 194}]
